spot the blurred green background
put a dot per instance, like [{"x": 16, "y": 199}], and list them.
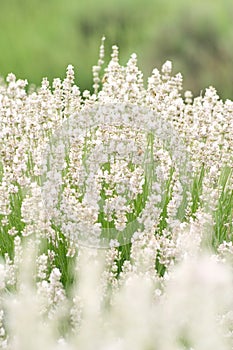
[{"x": 41, "y": 37}]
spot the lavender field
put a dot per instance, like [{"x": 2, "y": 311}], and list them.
[{"x": 115, "y": 213}]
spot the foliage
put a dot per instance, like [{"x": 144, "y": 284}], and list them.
[{"x": 40, "y": 38}]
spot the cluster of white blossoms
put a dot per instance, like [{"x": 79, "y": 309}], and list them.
[{"x": 115, "y": 213}]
